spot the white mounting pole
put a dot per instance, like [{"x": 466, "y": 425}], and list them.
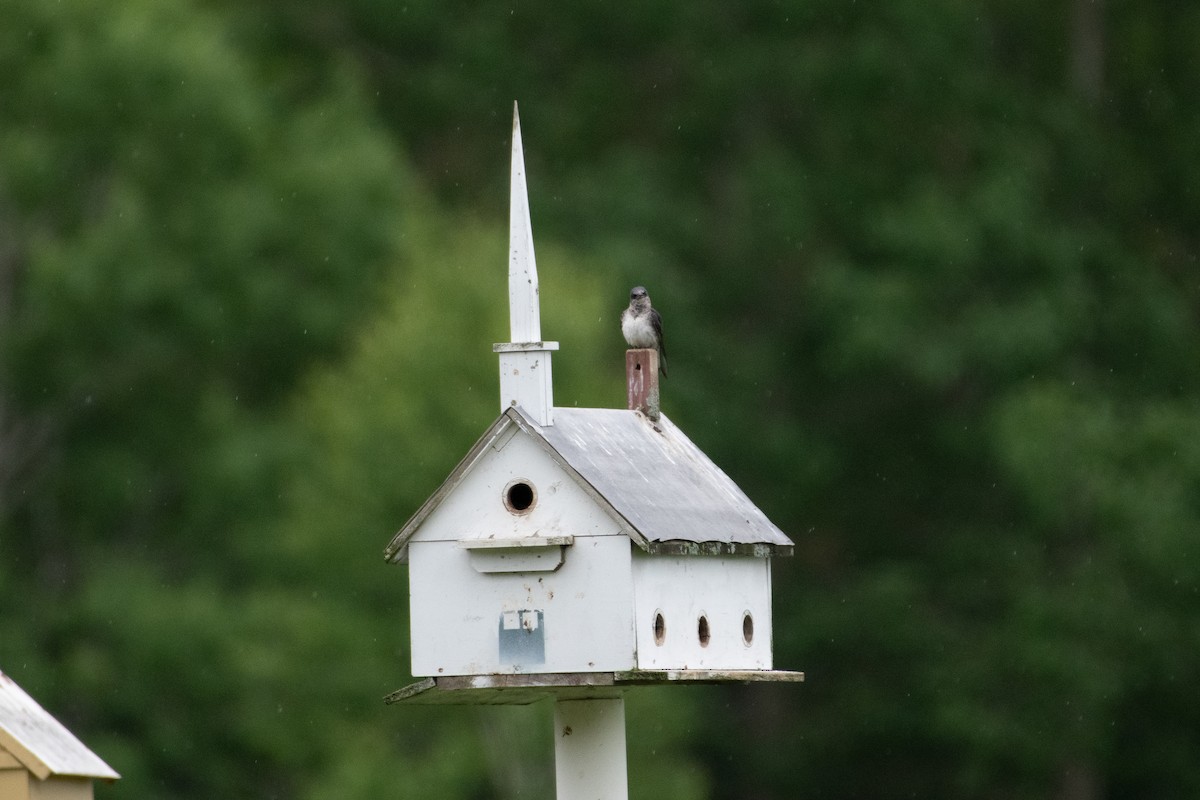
[
  {"x": 589, "y": 749},
  {"x": 525, "y": 375}
]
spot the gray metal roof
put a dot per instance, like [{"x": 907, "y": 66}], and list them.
[
  {"x": 670, "y": 497},
  {"x": 659, "y": 481},
  {"x": 40, "y": 742}
]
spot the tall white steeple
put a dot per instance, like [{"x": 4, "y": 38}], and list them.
[{"x": 525, "y": 374}]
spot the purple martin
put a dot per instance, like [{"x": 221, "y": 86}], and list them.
[{"x": 642, "y": 325}]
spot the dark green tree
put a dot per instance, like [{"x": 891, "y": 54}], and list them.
[{"x": 183, "y": 240}]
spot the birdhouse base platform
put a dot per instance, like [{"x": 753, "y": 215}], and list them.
[{"x": 521, "y": 690}]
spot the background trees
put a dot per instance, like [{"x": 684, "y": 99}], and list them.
[{"x": 930, "y": 278}]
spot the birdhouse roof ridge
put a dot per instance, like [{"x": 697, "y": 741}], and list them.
[{"x": 663, "y": 491}]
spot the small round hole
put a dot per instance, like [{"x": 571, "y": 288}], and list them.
[
  {"x": 660, "y": 628},
  {"x": 702, "y": 631},
  {"x": 519, "y": 497},
  {"x": 747, "y": 628}
]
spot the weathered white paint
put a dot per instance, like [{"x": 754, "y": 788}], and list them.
[
  {"x": 527, "y": 542},
  {"x": 460, "y": 616},
  {"x": 475, "y": 510},
  {"x": 526, "y": 378},
  {"x": 722, "y": 589},
  {"x": 589, "y": 749},
  {"x": 473, "y": 560},
  {"x": 524, "y": 310},
  {"x": 458, "y": 611},
  {"x": 517, "y": 559}
]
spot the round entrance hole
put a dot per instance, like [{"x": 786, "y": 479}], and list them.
[
  {"x": 519, "y": 496},
  {"x": 747, "y": 628},
  {"x": 660, "y": 628},
  {"x": 702, "y": 631}
]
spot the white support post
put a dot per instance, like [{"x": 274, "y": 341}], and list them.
[{"x": 589, "y": 749}]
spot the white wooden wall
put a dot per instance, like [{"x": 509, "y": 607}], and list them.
[
  {"x": 595, "y": 611},
  {"x": 457, "y": 612},
  {"x": 585, "y": 605},
  {"x": 685, "y": 588}
]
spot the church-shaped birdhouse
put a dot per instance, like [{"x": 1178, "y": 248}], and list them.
[{"x": 584, "y": 540}]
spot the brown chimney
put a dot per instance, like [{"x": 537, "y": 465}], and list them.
[{"x": 641, "y": 380}]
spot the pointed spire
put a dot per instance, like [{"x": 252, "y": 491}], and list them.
[
  {"x": 525, "y": 323},
  {"x": 525, "y": 376}
]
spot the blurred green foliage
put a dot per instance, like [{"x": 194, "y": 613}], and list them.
[{"x": 929, "y": 276}]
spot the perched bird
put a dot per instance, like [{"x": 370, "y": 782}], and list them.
[{"x": 642, "y": 325}]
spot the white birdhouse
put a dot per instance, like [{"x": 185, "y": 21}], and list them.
[
  {"x": 589, "y": 540},
  {"x": 604, "y": 542}
]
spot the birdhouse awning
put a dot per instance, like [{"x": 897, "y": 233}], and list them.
[
  {"x": 666, "y": 494},
  {"x": 40, "y": 742}
]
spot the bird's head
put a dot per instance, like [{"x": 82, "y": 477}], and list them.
[{"x": 637, "y": 295}]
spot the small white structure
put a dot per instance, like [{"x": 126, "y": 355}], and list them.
[
  {"x": 575, "y": 552},
  {"x": 39, "y": 758},
  {"x": 603, "y": 542}
]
